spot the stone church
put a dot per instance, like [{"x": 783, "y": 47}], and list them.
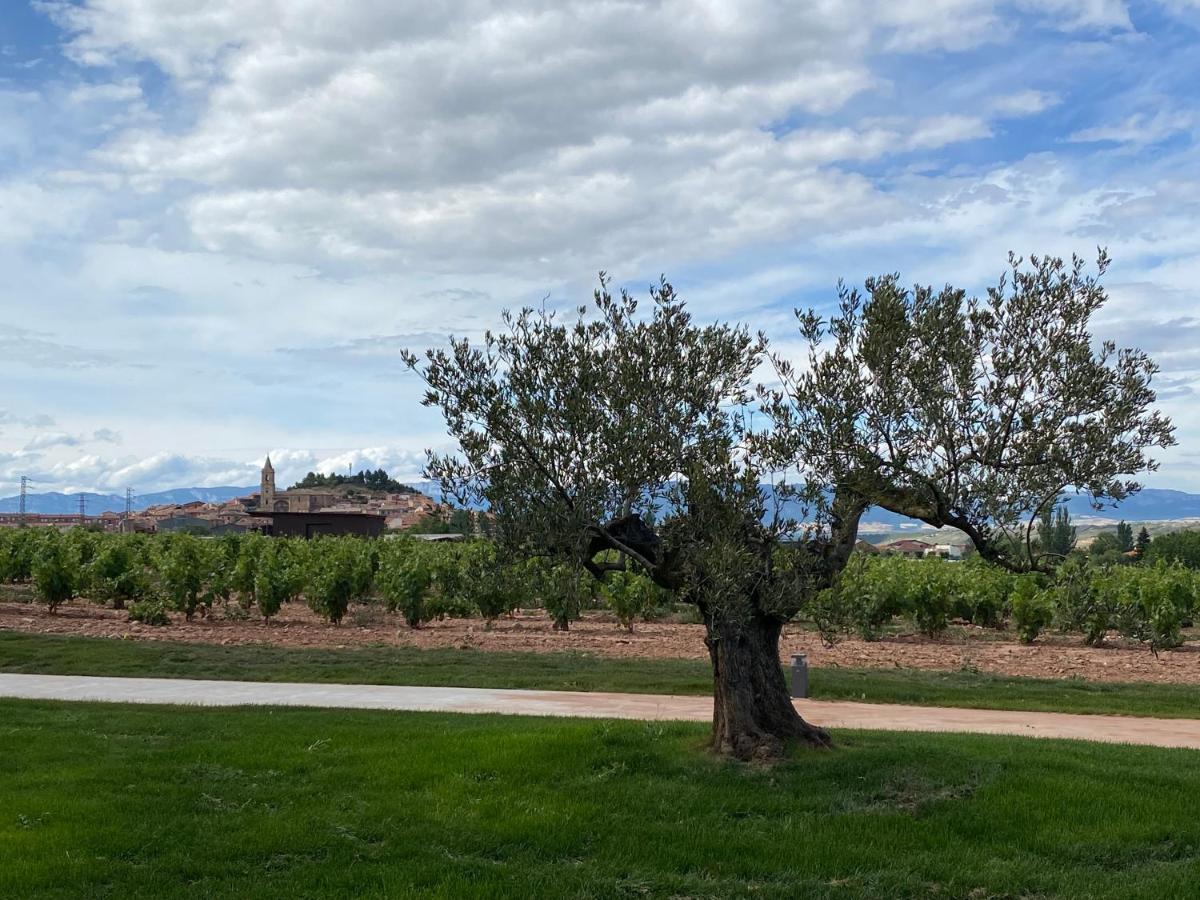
[{"x": 295, "y": 500}]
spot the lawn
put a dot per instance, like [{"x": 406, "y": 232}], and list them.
[
  {"x": 61, "y": 655},
  {"x": 118, "y": 801}
]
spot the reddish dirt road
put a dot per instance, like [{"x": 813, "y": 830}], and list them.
[{"x": 969, "y": 648}]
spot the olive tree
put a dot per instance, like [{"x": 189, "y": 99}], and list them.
[{"x": 620, "y": 436}]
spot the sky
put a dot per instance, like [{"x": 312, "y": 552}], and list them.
[{"x": 220, "y": 220}]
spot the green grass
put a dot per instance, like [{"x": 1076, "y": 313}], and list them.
[
  {"x": 60, "y": 655},
  {"x": 67, "y": 655},
  {"x": 122, "y": 801}
]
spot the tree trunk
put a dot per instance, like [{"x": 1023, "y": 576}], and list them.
[{"x": 753, "y": 715}]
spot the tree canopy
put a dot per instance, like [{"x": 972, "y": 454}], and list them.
[
  {"x": 377, "y": 480},
  {"x": 621, "y": 437}
]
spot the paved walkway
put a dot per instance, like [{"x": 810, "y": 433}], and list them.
[{"x": 828, "y": 713}]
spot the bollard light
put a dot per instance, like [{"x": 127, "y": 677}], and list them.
[{"x": 799, "y": 675}]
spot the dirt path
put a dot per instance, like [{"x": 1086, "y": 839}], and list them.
[
  {"x": 830, "y": 714},
  {"x": 984, "y": 650}
]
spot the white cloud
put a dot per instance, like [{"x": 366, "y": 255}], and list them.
[
  {"x": 122, "y": 91},
  {"x": 1138, "y": 128},
  {"x": 1024, "y": 103},
  {"x": 162, "y": 471},
  {"x": 35, "y": 420},
  {"x": 1075, "y": 15},
  {"x": 53, "y": 439}
]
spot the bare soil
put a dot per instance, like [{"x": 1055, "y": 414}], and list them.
[{"x": 984, "y": 650}]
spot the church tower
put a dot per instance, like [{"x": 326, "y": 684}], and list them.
[{"x": 266, "y": 493}]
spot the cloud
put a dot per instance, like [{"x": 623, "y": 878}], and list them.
[
  {"x": 162, "y": 471},
  {"x": 263, "y": 200},
  {"x": 425, "y": 133},
  {"x": 122, "y": 91},
  {"x": 1138, "y": 128},
  {"x": 48, "y": 440},
  {"x": 39, "y": 349},
  {"x": 1076, "y": 15},
  {"x": 1024, "y": 103},
  {"x": 37, "y": 420},
  {"x": 53, "y": 439}
]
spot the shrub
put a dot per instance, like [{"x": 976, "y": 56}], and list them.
[
  {"x": 184, "y": 572},
  {"x": 18, "y": 547},
  {"x": 243, "y": 577},
  {"x": 55, "y": 571},
  {"x": 276, "y": 575},
  {"x": 493, "y": 588},
  {"x": 982, "y": 592},
  {"x": 631, "y": 594},
  {"x": 151, "y": 611},
  {"x": 404, "y": 579},
  {"x": 116, "y": 574},
  {"x": 867, "y": 596},
  {"x": 334, "y": 577},
  {"x": 929, "y": 599},
  {"x": 1032, "y": 609}
]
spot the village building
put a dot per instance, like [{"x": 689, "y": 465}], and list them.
[{"x": 339, "y": 509}]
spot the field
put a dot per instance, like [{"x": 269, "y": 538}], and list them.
[
  {"x": 111, "y": 801},
  {"x": 962, "y": 648}
]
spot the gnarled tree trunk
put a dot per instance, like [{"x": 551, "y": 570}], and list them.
[{"x": 753, "y": 715}]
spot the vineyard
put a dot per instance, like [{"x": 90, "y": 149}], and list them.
[{"x": 154, "y": 576}]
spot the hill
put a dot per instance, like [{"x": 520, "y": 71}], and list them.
[
  {"x": 1151, "y": 505},
  {"x": 54, "y": 503}
]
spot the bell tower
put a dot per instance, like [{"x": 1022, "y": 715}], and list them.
[{"x": 266, "y": 493}]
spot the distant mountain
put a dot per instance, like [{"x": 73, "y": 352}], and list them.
[
  {"x": 1149, "y": 505},
  {"x": 54, "y": 503}
]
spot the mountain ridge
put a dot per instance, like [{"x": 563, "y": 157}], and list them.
[{"x": 1150, "y": 505}]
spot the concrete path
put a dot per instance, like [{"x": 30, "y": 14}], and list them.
[{"x": 828, "y": 713}]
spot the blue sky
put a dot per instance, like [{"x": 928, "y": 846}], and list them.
[{"x": 219, "y": 220}]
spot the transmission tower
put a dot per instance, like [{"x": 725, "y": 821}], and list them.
[
  {"x": 24, "y": 490},
  {"x": 128, "y": 508},
  {"x": 82, "y": 508}
]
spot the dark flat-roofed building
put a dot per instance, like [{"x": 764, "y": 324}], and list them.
[{"x": 314, "y": 524}]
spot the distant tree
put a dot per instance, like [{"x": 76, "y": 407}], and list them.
[
  {"x": 377, "y": 480},
  {"x": 1124, "y": 536},
  {"x": 1056, "y": 534},
  {"x": 1142, "y": 543},
  {"x": 449, "y": 521},
  {"x": 1181, "y": 547},
  {"x": 1105, "y": 548},
  {"x": 972, "y": 414}
]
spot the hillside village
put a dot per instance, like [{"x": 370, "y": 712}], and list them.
[{"x": 400, "y": 507}]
